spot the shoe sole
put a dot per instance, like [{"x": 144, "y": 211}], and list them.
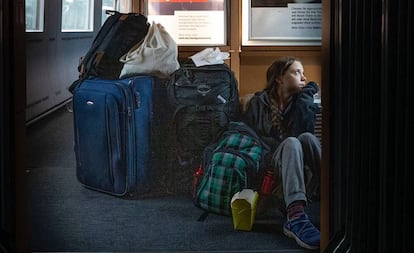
[{"x": 298, "y": 241}]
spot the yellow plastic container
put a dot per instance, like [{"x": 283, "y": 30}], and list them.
[{"x": 243, "y": 209}]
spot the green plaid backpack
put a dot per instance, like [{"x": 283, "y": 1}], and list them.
[{"x": 228, "y": 165}]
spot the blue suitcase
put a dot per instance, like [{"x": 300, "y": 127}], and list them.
[{"x": 112, "y": 124}]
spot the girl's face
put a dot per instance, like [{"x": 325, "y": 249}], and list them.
[{"x": 294, "y": 79}]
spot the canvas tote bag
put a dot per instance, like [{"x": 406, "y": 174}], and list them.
[{"x": 156, "y": 55}]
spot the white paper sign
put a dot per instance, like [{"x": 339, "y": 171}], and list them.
[{"x": 199, "y": 27}]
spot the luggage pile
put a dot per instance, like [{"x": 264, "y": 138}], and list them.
[
  {"x": 143, "y": 133},
  {"x": 116, "y": 133}
]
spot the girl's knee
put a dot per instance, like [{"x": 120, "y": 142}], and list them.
[
  {"x": 292, "y": 143},
  {"x": 307, "y": 138}
]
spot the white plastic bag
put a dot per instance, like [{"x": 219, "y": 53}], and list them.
[
  {"x": 209, "y": 56},
  {"x": 156, "y": 55}
]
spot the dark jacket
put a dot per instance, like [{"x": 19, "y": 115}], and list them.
[{"x": 298, "y": 117}]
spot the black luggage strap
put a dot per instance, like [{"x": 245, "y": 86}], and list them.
[
  {"x": 203, "y": 216},
  {"x": 200, "y": 108}
]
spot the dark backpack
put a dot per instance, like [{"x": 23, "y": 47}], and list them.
[
  {"x": 119, "y": 33},
  {"x": 205, "y": 100},
  {"x": 229, "y": 165}
]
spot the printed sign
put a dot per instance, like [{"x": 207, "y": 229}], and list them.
[
  {"x": 200, "y": 22},
  {"x": 283, "y": 22}
]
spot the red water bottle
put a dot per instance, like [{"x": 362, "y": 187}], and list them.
[
  {"x": 268, "y": 183},
  {"x": 266, "y": 190},
  {"x": 197, "y": 176}
]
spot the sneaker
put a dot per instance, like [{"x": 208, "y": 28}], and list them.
[{"x": 303, "y": 231}]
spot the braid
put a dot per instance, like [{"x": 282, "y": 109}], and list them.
[
  {"x": 275, "y": 113},
  {"x": 276, "y": 70}
]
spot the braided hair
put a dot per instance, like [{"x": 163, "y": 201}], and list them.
[{"x": 276, "y": 70}]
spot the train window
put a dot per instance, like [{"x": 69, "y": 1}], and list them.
[
  {"x": 196, "y": 22},
  {"x": 107, "y": 5},
  {"x": 77, "y": 15},
  {"x": 123, "y": 6},
  {"x": 34, "y": 15}
]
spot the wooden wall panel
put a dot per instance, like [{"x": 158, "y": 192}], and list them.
[{"x": 254, "y": 64}]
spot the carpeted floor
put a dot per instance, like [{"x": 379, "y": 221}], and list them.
[{"x": 64, "y": 216}]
